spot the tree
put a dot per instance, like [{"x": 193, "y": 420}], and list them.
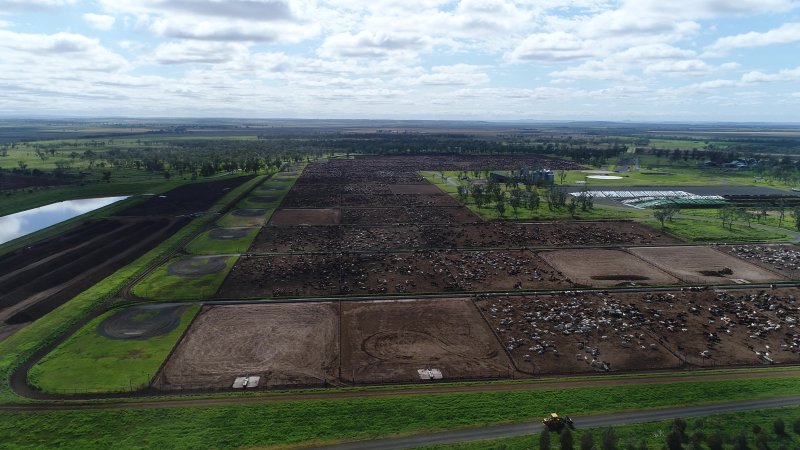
[
  {"x": 715, "y": 441},
  {"x": 463, "y": 193},
  {"x": 533, "y": 200},
  {"x": 562, "y": 175},
  {"x": 781, "y": 211},
  {"x": 544, "y": 440},
  {"x": 107, "y": 176},
  {"x": 566, "y": 439},
  {"x": 478, "y": 196},
  {"x": 501, "y": 208},
  {"x": 796, "y": 216},
  {"x": 572, "y": 206},
  {"x": 516, "y": 200},
  {"x": 587, "y": 441},
  {"x": 727, "y": 215},
  {"x": 740, "y": 442},
  {"x": 796, "y": 425},
  {"x": 779, "y": 427},
  {"x": 745, "y": 215},
  {"x": 609, "y": 439},
  {"x": 675, "y": 440}
]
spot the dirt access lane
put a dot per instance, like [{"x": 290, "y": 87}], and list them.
[{"x": 545, "y": 383}]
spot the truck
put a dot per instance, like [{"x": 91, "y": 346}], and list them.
[{"x": 554, "y": 422}]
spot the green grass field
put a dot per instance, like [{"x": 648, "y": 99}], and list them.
[
  {"x": 713, "y": 232},
  {"x": 231, "y": 220},
  {"x": 543, "y": 212},
  {"x": 89, "y": 362},
  {"x": 162, "y": 286},
  {"x": 318, "y": 421},
  {"x": 653, "y": 435},
  {"x": 204, "y": 244},
  {"x": 772, "y": 219}
]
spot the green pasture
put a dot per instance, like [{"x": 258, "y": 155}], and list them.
[
  {"x": 654, "y": 434},
  {"x": 707, "y": 231},
  {"x": 162, "y": 286},
  {"x": 675, "y": 176},
  {"x": 205, "y": 244},
  {"x": 90, "y": 362},
  {"x": 324, "y": 421},
  {"x": 772, "y": 219}
]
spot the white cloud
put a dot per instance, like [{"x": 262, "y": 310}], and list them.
[
  {"x": 99, "y": 21},
  {"x": 32, "y": 5},
  {"x": 216, "y": 20},
  {"x": 785, "y": 34},
  {"x": 188, "y": 52},
  {"x": 782, "y": 75},
  {"x": 557, "y": 46},
  {"x": 371, "y": 44},
  {"x": 67, "y": 51},
  {"x": 688, "y": 67}
]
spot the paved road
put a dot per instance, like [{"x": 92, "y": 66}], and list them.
[{"x": 605, "y": 420}]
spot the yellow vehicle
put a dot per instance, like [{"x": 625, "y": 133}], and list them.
[{"x": 554, "y": 422}]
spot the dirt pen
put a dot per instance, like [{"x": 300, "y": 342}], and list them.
[
  {"x": 704, "y": 265},
  {"x": 605, "y": 332},
  {"x": 399, "y": 341},
  {"x": 322, "y": 216},
  {"x": 605, "y": 268},
  {"x": 284, "y": 344},
  {"x": 299, "y": 275}
]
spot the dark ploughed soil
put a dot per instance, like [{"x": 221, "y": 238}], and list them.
[{"x": 186, "y": 199}]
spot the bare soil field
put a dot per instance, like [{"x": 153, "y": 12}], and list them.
[
  {"x": 600, "y": 332},
  {"x": 329, "y": 216},
  {"x": 392, "y": 341},
  {"x": 186, "y": 199},
  {"x": 605, "y": 268},
  {"x": 780, "y": 258},
  {"x": 35, "y": 280},
  {"x": 418, "y": 215},
  {"x": 284, "y": 344},
  {"x": 10, "y": 181},
  {"x": 703, "y": 265}
]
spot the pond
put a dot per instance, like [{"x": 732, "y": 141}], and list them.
[{"x": 19, "y": 224}]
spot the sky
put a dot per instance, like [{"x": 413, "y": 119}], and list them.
[{"x": 640, "y": 60}]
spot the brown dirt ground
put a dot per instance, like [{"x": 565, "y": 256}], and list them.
[
  {"x": 390, "y": 341},
  {"x": 285, "y": 344},
  {"x": 692, "y": 265},
  {"x": 330, "y": 216},
  {"x": 605, "y": 267}
]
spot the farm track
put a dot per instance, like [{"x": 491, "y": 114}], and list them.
[{"x": 584, "y": 422}]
